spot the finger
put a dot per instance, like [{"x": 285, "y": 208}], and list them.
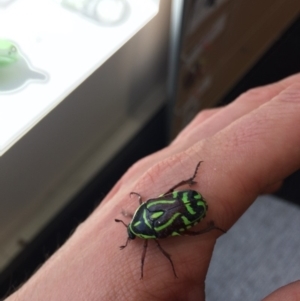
[
  {"x": 209, "y": 123},
  {"x": 290, "y": 292},
  {"x": 206, "y": 124},
  {"x": 200, "y": 118}
]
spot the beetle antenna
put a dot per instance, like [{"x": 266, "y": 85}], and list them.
[{"x": 120, "y": 221}]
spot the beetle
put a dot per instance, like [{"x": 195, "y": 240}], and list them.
[{"x": 171, "y": 214}]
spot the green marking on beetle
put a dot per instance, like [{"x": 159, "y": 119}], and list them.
[
  {"x": 146, "y": 220},
  {"x": 137, "y": 223},
  {"x": 176, "y": 212},
  {"x": 201, "y": 203},
  {"x": 187, "y": 203},
  {"x": 185, "y": 220},
  {"x": 168, "y": 223},
  {"x": 185, "y": 198},
  {"x": 157, "y": 214},
  {"x": 190, "y": 209},
  {"x": 153, "y": 203},
  {"x": 144, "y": 236}
]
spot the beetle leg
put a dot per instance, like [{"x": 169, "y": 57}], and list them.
[
  {"x": 139, "y": 196},
  {"x": 123, "y": 247},
  {"x": 143, "y": 258},
  {"x": 168, "y": 256},
  {"x": 120, "y": 221},
  {"x": 211, "y": 226},
  {"x": 189, "y": 181}
]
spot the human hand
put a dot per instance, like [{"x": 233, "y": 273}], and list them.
[{"x": 248, "y": 148}]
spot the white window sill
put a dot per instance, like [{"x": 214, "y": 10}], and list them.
[{"x": 63, "y": 46}]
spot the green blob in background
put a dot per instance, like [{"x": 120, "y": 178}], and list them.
[
  {"x": 8, "y": 53},
  {"x": 15, "y": 71}
]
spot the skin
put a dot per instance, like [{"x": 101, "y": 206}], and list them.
[{"x": 248, "y": 148}]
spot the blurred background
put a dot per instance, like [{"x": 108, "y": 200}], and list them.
[{"x": 87, "y": 87}]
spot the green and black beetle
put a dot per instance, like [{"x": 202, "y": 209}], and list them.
[{"x": 171, "y": 214}]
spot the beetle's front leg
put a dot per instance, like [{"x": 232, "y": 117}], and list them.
[
  {"x": 128, "y": 214},
  {"x": 139, "y": 196},
  {"x": 189, "y": 181}
]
